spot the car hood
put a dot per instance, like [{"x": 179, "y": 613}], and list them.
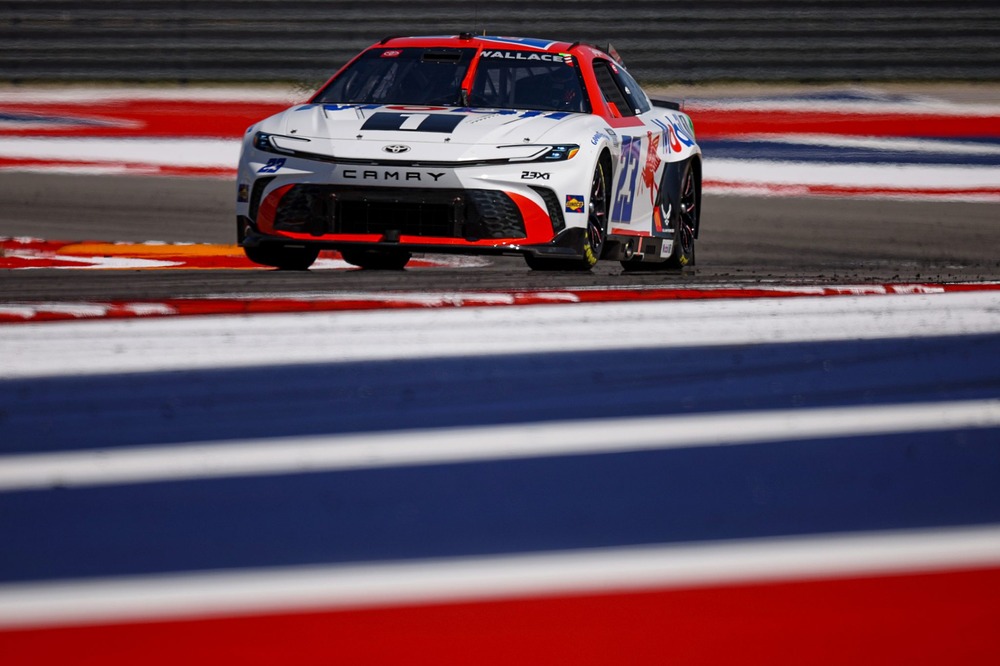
[{"x": 350, "y": 130}]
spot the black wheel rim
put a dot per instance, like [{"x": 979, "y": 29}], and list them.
[{"x": 597, "y": 219}]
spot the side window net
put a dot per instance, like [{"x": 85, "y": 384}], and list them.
[{"x": 633, "y": 92}]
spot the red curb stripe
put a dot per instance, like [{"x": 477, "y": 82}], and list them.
[
  {"x": 146, "y": 118},
  {"x": 25, "y": 312},
  {"x": 913, "y": 619}
]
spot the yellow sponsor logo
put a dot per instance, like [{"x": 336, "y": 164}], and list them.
[{"x": 574, "y": 203}]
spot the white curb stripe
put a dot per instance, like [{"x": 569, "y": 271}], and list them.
[
  {"x": 425, "y": 447},
  {"x": 146, "y": 345},
  {"x": 299, "y": 589}
]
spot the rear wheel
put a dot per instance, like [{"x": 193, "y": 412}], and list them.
[
  {"x": 685, "y": 219},
  {"x": 378, "y": 260},
  {"x": 679, "y": 204},
  {"x": 596, "y": 231},
  {"x": 282, "y": 257}
]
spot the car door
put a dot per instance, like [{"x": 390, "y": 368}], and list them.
[{"x": 646, "y": 142}]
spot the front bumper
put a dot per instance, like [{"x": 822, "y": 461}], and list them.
[
  {"x": 439, "y": 217},
  {"x": 566, "y": 244}
]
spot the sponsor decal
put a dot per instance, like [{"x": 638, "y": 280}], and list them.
[
  {"x": 523, "y": 55},
  {"x": 653, "y": 162},
  {"x": 273, "y": 165},
  {"x": 391, "y": 175},
  {"x": 666, "y": 249},
  {"x": 676, "y": 129},
  {"x": 393, "y": 53},
  {"x": 685, "y": 121},
  {"x": 684, "y": 135},
  {"x": 675, "y": 145},
  {"x": 243, "y": 193},
  {"x": 596, "y": 139},
  {"x": 574, "y": 203},
  {"x": 534, "y": 175}
]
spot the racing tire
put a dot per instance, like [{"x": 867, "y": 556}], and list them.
[
  {"x": 682, "y": 186},
  {"x": 282, "y": 257},
  {"x": 594, "y": 239},
  {"x": 376, "y": 260}
]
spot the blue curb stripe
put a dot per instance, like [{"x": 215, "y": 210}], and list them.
[
  {"x": 67, "y": 413},
  {"x": 910, "y": 480}
]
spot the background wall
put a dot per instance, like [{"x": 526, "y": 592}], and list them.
[{"x": 661, "y": 41}]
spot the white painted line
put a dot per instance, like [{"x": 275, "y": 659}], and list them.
[
  {"x": 321, "y": 453},
  {"x": 140, "y": 345},
  {"x": 299, "y": 589}
]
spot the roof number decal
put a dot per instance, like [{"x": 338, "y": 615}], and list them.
[{"x": 413, "y": 122}]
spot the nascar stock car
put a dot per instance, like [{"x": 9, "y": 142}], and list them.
[{"x": 474, "y": 144}]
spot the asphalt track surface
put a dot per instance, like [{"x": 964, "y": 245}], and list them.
[{"x": 744, "y": 241}]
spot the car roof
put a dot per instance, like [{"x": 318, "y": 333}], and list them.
[{"x": 468, "y": 40}]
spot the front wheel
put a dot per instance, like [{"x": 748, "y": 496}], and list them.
[
  {"x": 596, "y": 232},
  {"x": 282, "y": 257}
]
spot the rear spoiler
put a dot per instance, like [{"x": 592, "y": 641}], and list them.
[{"x": 667, "y": 104}]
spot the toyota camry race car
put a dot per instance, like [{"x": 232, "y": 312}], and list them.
[{"x": 476, "y": 145}]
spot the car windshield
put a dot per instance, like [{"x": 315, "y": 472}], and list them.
[
  {"x": 402, "y": 76},
  {"x": 504, "y": 79},
  {"x": 527, "y": 80}
]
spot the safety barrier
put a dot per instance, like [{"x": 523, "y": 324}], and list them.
[{"x": 661, "y": 41}]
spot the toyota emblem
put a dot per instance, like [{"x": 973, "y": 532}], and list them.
[{"x": 395, "y": 149}]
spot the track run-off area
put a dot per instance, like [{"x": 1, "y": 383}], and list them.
[{"x": 787, "y": 454}]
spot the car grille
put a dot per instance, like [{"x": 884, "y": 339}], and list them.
[{"x": 443, "y": 213}]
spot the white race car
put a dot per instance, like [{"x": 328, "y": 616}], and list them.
[{"x": 482, "y": 145}]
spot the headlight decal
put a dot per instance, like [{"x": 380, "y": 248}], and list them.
[
  {"x": 269, "y": 143},
  {"x": 262, "y": 141},
  {"x": 560, "y": 153},
  {"x": 551, "y": 153}
]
